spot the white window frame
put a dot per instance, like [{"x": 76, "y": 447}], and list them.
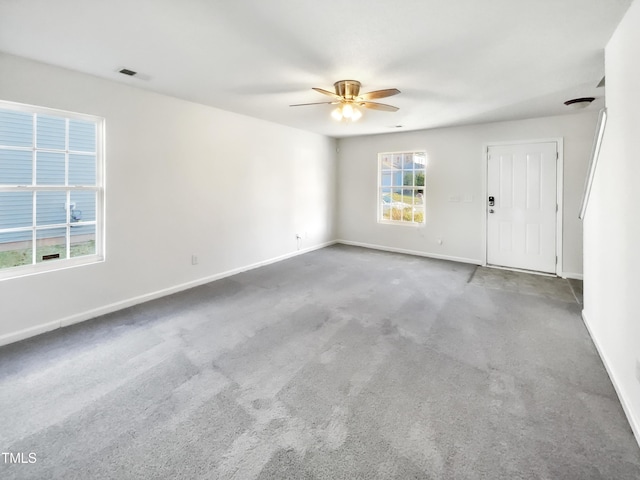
[
  {"x": 380, "y": 188},
  {"x": 22, "y": 270}
]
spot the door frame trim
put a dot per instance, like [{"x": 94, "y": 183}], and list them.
[{"x": 559, "y": 192}]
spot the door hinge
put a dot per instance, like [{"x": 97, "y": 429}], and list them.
[
  {"x": 556, "y": 207},
  {"x": 557, "y": 156},
  {"x": 556, "y": 259}
]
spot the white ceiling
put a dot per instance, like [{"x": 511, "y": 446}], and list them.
[{"x": 455, "y": 61}]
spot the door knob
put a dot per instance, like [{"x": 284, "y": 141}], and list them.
[{"x": 491, "y": 210}]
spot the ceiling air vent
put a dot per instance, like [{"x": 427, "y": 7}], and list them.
[{"x": 126, "y": 71}]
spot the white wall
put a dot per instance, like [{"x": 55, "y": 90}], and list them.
[
  {"x": 455, "y": 168},
  {"x": 612, "y": 222},
  {"x": 181, "y": 179}
]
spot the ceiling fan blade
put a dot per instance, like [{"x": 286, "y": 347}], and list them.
[
  {"x": 379, "y": 106},
  {"x": 327, "y": 92},
  {"x": 316, "y": 103},
  {"x": 379, "y": 94}
]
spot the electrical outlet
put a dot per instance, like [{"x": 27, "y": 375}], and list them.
[{"x": 194, "y": 259}]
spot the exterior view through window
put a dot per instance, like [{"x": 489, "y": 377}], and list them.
[
  {"x": 401, "y": 187},
  {"x": 51, "y": 191}
]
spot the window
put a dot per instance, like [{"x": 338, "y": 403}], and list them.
[
  {"x": 51, "y": 192},
  {"x": 401, "y": 187}
]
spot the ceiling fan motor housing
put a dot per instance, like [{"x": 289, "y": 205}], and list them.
[{"x": 348, "y": 89}]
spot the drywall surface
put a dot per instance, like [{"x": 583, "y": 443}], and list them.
[
  {"x": 612, "y": 222},
  {"x": 182, "y": 179},
  {"x": 455, "y": 179}
]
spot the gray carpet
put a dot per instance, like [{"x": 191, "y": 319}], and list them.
[
  {"x": 553, "y": 288},
  {"x": 343, "y": 363}
]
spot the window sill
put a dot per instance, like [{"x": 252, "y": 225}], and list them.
[
  {"x": 28, "y": 270},
  {"x": 401, "y": 224}
]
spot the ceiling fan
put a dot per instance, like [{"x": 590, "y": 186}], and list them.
[{"x": 348, "y": 99}]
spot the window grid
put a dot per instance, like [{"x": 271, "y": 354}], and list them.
[
  {"x": 401, "y": 184},
  {"x": 75, "y": 228}
]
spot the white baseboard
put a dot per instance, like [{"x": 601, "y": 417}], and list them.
[
  {"x": 105, "y": 309},
  {"x": 28, "y": 332},
  {"x": 633, "y": 421},
  {"x": 574, "y": 276},
  {"x": 411, "y": 252}
]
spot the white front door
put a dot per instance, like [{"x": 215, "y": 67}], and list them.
[{"x": 521, "y": 206}]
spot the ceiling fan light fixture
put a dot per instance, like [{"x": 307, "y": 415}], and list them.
[
  {"x": 347, "y": 110},
  {"x": 337, "y": 114}
]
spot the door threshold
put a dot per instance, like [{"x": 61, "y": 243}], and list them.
[{"x": 521, "y": 270}]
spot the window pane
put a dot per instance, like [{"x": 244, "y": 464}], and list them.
[
  {"x": 408, "y": 179},
  {"x": 386, "y": 163},
  {"x": 82, "y": 169},
  {"x": 83, "y": 240},
  {"x": 50, "y": 132},
  {"x": 83, "y": 207},
  {"x": 16, "y": 209},
  {"x": 16, "y": 249},
  {"x": 419, "y": 160},
  {"x": 49, "y": 168},
  {"x": 51, "y": 244},
  {"x": 408, "y": 201},
  {"x": 396, "y": 213},
  {"x": 397, "y": 178},
  {"x": 15, "y": 167},
  {"x": 16, "y": 128},
  {"x": 420, "y": 178},
  {"x": 407, "y": 214},
  {"x": 407, "y": 161},
  {"x": 408, "y": 197},
  {"x": 385, "y": 202},
  {"x": 396, "y": 161},
  {"x": 82, "y": 136},
  {"x": 386, "y": 179},
  {"x": 51, "y": 208}
]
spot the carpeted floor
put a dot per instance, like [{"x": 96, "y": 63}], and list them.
[
  {"x": 553, "y": 288},
  {"x": 343, "y": 363}
]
